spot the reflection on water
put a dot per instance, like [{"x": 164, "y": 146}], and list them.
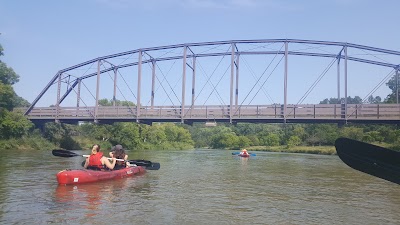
[{"x": 199, "y": 187}]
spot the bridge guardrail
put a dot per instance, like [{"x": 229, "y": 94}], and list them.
[{"x": 207, "y": 112}]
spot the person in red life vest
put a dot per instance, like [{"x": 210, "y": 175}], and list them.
[
  {"x": 119, "y": 153},
  {"x": 96, "y": 160},
  {"x": 244, "y": 153}
]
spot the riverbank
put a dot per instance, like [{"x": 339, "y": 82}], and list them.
[
  {"x": 26, "y": 144},
  {"x": 321, "y": 150}
]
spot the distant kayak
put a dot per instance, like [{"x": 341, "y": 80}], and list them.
[
  {"x": 243, "y": 155},
  {"x": 87, "y": 176}
]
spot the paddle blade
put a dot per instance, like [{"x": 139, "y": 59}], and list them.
[
  {"x": 371, "y": 159},
  {"x": 64, "y": 153},
  {"x": 145, "y": 163},
  {"x": 235, "y": 153},
  {"x": 253, "y": 154},
  {"x": 153, "y": 166}
]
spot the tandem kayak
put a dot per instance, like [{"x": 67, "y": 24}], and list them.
[{"x": 87, "y": 176}]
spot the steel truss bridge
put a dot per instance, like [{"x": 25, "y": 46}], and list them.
[{"x": 144, "y": 68}]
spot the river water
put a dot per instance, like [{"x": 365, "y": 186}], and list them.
[{"x": 198, "y": 187}]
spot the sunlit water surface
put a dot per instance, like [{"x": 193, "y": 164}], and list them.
[{"x": 198, "y": 187}]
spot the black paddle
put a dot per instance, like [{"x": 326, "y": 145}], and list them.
[
  {"x": 371, "y": 159},
  {"x": 66, "y": 153},
  {"x": 147, "y": 164}
]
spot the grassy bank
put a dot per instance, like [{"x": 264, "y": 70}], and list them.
[
  {"x": 27, "y": 143},
  {"x": 322, "y": 150}
]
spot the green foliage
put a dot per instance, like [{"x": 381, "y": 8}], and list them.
[
  {"x": 225, "y": 141},
  {"x": 60, "y": 134},
  {"x": 177, "y": 134},
  {"x": 350, "y": 100},
  {"x": 13, "y": 124},
  {"x": 374, "y": 100},
  {"x": 254, "y": 140},
  {"x": 391, "y": 98},
  {"x": 372, "y": 136},
  {"x": 126, "y": 134},
  {"x": 154, "y": 135},
  {"x": 32, "y": 142},
  {"x": 204, "y": 136},
  {"x": 353, "y": 133},
  {"x": 293, "y": 141},
  {"x": 321, "y": 134},
  {"x": 7, "y": 75},
  {"x": 272, "y": 139},
  {"x": 243, "y": 142},
  {"x": 106, "y": 102},
  {"x": 6, "y": 97}
]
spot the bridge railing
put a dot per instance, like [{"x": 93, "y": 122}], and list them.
[{"x": 304, "y": 111}]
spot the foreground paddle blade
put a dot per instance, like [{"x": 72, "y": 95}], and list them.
[
  {"x": 371, "y": 159},
  {"x": 64, "y": 153}
]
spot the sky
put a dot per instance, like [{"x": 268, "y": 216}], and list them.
[{"x": 42, "y": 37}]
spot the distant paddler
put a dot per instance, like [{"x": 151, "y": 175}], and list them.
[{"x": 244, "y": 153}]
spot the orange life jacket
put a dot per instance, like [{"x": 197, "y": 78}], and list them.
[{"x": 94, "y": 160}]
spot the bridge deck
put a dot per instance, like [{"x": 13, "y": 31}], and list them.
[{"x": 307, "y": 113}]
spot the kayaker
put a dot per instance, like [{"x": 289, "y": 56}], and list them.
[
  {"x": 96, "y": 160},
  {"x": 115, "y": 148},
  {"x": 244, "y": 152},
  {"x": 119, "y": 153}
]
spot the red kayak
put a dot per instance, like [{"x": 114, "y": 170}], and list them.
[
  {"x": 87, "y": 176},
  {"x": 244, "y": 155}
]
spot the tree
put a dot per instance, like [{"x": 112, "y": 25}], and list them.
[
  {"x": 7, "y": 75},
  {"x": 14, "y": 124},
  {"x": 243, "y": 141},
  {"x": 6, "y": 96},
  {"x": 126, "y": 134},
  {"x": 392, "y": 98},
  {"x": 177, "y": 134},
  {"x": 102, "y": 132},
  {"x": 153, "y": 134},
  {"x": 106, "y": 102},
  {"x": 293, "y": 141},
  {"x": 374, "y": 100},
  {"x": 60, "y": 134},
  {"x": 353, "y": 133},
  {"x": 225, "y": 140},
  {"x": 322, "y": 134},
  {"x": 350, "y": 100},
  {"x": 272, "y": 139}
]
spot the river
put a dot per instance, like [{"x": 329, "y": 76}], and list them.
[{"x": 198, "y": 187}]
